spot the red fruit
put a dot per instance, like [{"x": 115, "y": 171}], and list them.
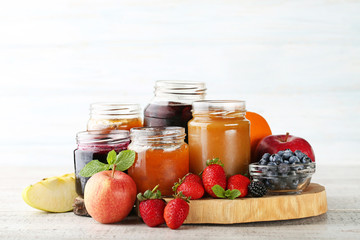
[
  {"x": 240, "y": 183},
  {"x": 190, "y": 189},
  {"x": 190, "y": 177},
  {"x": 152, "y": 207},
  {"x": 212, "y": 175},
  {"x": 275, "y": 143},
  {"x": 176, "y": 211},
  {"x": 109, "y": 196},
  {"x": 152, "y": 212}
]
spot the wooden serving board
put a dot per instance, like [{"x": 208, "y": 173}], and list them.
[{"x": 312, "y": 202}]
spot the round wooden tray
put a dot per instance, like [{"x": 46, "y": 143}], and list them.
[{"x": 312, "y": 202}]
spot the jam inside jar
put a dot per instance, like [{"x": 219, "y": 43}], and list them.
[
  {"x": 114, "y": 116},
  {"x": 172, "y": 103},
  {"x": 162, "y": 157},
  {"x": 219, "y": 129},
  {"x": 95, "y": 145}
]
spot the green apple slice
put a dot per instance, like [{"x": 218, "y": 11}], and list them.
[{"x": 54, "y": 194}]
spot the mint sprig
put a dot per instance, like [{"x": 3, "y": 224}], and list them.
[
  {"x": 221, "y": 193},
  {"x": 122, "y": 161}
]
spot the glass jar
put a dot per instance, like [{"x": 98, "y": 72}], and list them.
[
  {"x": 114, "y": 116},
  {"x": 219, "y": 129},
  {"x": 96, "y": 145},
  {"x": 172, "y": 103},
  {"x": 162, "y": 157}
]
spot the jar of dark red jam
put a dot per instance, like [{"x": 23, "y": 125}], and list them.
[
  {"x": 172, "y": 103},
  {"x": 114, "y": 116},
  {"x": 95, "y": 145}
]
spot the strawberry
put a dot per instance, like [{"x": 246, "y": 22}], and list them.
[
  {"x": 190, "y": 177},
  {"x": 176, "y": 211},
  {"x": 240, "y": 183},
  {"x": 190, "y": 188},
  {"x": 152, "y": 207},
  {"x": 212, "y": 175}
]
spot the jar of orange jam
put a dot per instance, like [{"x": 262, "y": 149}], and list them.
[
  {"x": 114, "y": 116},
  {"x": 162, "y": 157},
  {"x": 219, "y": 129}
]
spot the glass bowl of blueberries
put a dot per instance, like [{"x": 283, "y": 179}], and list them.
[{"x": 285, "y": 172}]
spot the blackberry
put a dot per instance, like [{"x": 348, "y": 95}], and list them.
[{"x": 257, "y": 189}]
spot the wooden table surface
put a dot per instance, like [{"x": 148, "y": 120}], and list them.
[{"x": 19, "y": 221}]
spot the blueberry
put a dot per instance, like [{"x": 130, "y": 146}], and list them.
[
  {"x": 269, "y": 185},
  {"x": 305, "y": 159},
  {"x": 271, "y": 164},
  {"x": 266, "y": 156},
  {"x": 277, "y": 159},
  {"x": 292, "y": 174},
  {"x": 287, "y": 162},
  {"x": 287, "y": 155},
  {"x": 272, "y": 183},
  {"x": 294, "y": 159},
  {"x": 302, "y": 179},
  {"x": 272, "y": 158},
  {"x": 271, "y": 173},
  {"x": 298, "y": 167},
  {"x": 293, "y": 184},
  {"x": 262, "y": 162},
  {"x": 283, "y": 168},
  {"x": 299, "y": 154},
  {"x": 280, "y": 153}
]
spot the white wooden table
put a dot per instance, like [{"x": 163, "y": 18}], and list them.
[{"x": 19, "y": 221}]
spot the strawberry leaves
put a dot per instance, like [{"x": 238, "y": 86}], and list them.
[
  {"x": 150, "y": 194},
  {"x": 221, "y": 193}
]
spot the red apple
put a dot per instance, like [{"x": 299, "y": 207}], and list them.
[
  {"x": 274, "y": 143},
  {"x": 109, "y": 196}
]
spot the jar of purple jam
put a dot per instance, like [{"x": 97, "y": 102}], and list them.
[
  {"x": 95, "y": 145},
  {"x": 172, "y": 103}
]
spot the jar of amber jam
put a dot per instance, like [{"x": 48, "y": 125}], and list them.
[
  {"x": 95, "y": 145},
  {"x": 172, "y": 103},
  {"x": 162, "y": 157},
  {"x": 114, "y": 116},
  {"x": 219, "y": 129}
]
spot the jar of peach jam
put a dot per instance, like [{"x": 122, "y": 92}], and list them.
[
  {"x": 219, "y": 129},
  {"x": 114, "y": 116},
  {"x": 162, "y": 157}
]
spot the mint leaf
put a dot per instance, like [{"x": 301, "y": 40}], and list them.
[
  {"x": 111, "y": 157},
  {"x": 232, "y": 194},
  {"x": 124, "y": 160},
  {"x": 218, "y": 191},
  {"x": 93, "y": 167},
  {"x": 235, "y": 193}
]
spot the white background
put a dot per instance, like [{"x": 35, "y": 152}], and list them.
[{"x": 295, "y": 62}]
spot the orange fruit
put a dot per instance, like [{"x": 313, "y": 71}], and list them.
[{"x": 259, "y": 128}]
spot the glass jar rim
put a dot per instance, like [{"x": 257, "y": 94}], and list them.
[
  {"x": 113, "y": 109},
  {"x": 204, "y": 106},
  {"x": 158, "y": 134},
  {"x": 102, "y": 137},
  {"x": 182, "y": 87}
]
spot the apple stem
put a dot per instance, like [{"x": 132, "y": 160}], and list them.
[
  {"x": 286, "y": 137},
  {"x": 113, "y": 171}
]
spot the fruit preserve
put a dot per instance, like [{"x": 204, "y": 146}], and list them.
[
  {"x": 114, "y": 116},
  {"x": 95, "y": 145},
  {"x": 162, "y": 157},
  {"x": 219, "y": 129},
  {"x": 171, "y": 105}
]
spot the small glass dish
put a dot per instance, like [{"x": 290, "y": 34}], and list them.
[{"x": 283, "y": 178}]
